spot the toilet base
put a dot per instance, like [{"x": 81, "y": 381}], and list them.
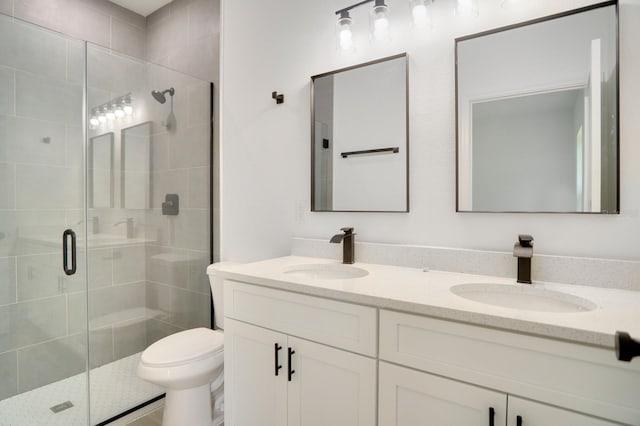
[{"x": 188, "y": 407}]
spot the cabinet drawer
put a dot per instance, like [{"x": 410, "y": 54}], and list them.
[
  {"x": 343, "y": 325},
  {"x": 580, "y": 378}
]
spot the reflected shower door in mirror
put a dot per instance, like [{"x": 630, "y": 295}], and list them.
[
  {"x": 100, "y": 172},
  {"x": 359, "y": 138},
  {"x": 537, "y": 115},
  {"x": 136, "y": 166}
]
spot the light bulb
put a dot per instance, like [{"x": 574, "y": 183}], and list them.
[
  {"x": 102, "y": 117},
  {"x": 421, "y": 14},
  {"x": 345, "y": 36},
  {"x": 467, "y": 8},
  {"x": 119, "y": 112},
  {"x": 126, "y": 105},
  {"x": 94, "y": 121},
  {"x": 380, "y": 22},
  {"x": 110, "y": 115}
]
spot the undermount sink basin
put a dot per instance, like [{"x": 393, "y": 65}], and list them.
[
  {"x": 523, "y": 297},
  {"x": 326, "y": 271}
]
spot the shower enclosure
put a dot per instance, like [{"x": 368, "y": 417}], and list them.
[{"x": 86, "y": 146}]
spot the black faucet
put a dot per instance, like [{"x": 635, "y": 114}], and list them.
[
  {"x": 348, "y": 246},
  {"x": 523, "y": 250}
]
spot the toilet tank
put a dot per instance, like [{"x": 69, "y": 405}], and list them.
[{"x": 217, "y": 292}]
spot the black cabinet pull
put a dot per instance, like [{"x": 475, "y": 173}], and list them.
[
  {"x": 291, "y": 370},
  {"x": 277, "y": 348},
  {"x": 518, "y": 420},
  {"x": 65, "y": 252},
  {"x": 492, "y": 414},
  {"x": 627, "y": 348}
]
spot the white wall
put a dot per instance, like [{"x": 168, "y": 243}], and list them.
[{"x": 265, "y": 148}]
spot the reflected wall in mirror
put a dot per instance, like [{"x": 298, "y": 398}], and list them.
[
  {"x": 537, "y": 115},
  {"x": 136, "y": 166},
  {"x": 100, "y": 173},
  {"x": 359, "y": 138}
]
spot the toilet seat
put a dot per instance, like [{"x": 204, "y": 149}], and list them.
[{"x": 184, "y": 347}]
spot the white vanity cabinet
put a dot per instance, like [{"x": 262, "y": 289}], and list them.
[
  {"x": 414, "y": 398},
  {"x": 466, "y": 370},
  {"x": 322, "y": 382}
]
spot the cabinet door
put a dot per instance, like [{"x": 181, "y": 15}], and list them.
[
  {"x": 254, "y": 395},
  {"x": 330, "y": 386},
  {"x": 535, "y": 414},
  {"x": 412, "y": 398}
]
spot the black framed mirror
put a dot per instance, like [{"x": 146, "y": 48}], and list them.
[
  {"x": 537, "y": 115},
  {"x": 359, "y": 138}
]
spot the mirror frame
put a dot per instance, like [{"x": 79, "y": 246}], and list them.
[
  {"x": 122, "y": 164},
  {"x": 617, "y": 71},
  {"x": 90, "y": 178},
  {"x": 361, "y": 65}
]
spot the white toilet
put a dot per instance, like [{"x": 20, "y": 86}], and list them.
[{"x": 186, "y": 364}]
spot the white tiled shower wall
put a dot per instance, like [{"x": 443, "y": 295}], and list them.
[{"x": 138, "y": 292}]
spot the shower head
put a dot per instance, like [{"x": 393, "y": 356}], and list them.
[{"x": 160, "y": 96}]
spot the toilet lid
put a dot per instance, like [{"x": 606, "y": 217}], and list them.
[{"x": 183, "y": 347}]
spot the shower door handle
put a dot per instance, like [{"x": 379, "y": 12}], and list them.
[{"x": 66, "y": 235}]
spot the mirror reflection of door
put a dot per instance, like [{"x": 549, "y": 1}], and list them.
[{"x": 537, "y": 116}]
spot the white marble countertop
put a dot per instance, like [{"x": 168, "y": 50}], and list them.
[{"x": 421, "y": 292}]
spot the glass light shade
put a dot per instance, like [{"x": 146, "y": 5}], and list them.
[
  {"x": 102, "y": 117},
  {"x": 467, "y": 7},
  {"x": 127, "y": 107},
  {"x": 344, "y": 34},
  {"x": 380, "y": 22},
  {"x": 421, "y": 14},
  {"x": 118, "y": 111},
  {"x": 94, "y": 121},
  {"x": 110, "y": 115}
]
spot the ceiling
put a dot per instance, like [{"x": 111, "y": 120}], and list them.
[{"x": 141, "y": 7}]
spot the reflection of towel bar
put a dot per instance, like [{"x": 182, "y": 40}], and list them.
[{"x": 393, "y": 150}]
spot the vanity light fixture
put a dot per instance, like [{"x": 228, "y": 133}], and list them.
[
  {"x": 115, "y": 109},
  {"x": 379, "y": 20}
]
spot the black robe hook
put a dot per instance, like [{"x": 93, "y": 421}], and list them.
[{"x": 279, "y": 98}]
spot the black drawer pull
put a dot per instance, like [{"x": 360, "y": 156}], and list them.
[
  {"x": 65, "y": 252},
  {"x": 289, "y": 356},
  {"x": 518, "y": 420},
  {"x": 492, "y": 415},
  {"x": 277, "y": 348}
]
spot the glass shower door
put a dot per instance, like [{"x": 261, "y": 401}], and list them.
[{"x": 43, "y": 338}]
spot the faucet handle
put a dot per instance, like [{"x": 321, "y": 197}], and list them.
[
  {"x": 525, "y": 240},
  {"x": 347, "y": 230}
]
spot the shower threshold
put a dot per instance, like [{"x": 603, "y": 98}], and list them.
[{"x": 115, "y": 388}]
